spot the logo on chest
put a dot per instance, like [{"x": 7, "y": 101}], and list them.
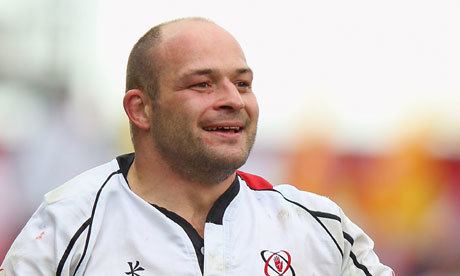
[
  {"x": 134, "y": 269},
  {"x": 277, "y": 263}
]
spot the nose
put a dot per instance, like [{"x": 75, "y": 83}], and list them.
[{"x": 229, "y": 97}]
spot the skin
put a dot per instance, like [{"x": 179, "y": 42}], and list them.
[{"x": 204, "y": 83}]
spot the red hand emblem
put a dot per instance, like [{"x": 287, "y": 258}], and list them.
[{"x": 278, "y": 264}]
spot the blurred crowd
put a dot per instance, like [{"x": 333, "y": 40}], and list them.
[{"x": 406, "y": 198}]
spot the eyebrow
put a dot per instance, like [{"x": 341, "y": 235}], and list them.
[
  {"x": 209, "y": 71},
  {"x": 244, "y": 70}
]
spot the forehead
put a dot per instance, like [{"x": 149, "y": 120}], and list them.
[{"x": 198, "y": 44}]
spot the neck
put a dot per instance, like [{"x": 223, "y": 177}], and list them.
[{"x": 155, "y": 182}]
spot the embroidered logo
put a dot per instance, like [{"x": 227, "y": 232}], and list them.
[
  {"x": 277, "y": 263},
  {"x": 134, "y": 269}
]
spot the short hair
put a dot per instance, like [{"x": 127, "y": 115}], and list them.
[
  {"x": 141, "y": 71},
  {"x": 143, "y": 68}
]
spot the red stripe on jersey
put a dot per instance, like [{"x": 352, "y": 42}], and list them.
[{"x": 255, "y": 182}]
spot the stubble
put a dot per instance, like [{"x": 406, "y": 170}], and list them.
[{"x": 188, "y": 156}]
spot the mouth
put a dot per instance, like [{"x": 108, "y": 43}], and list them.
[{"x": 224, "y": 129}]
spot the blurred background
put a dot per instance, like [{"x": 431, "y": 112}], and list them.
[{"x": 359, "y": 101}]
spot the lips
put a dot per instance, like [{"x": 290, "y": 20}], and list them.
[{"x": 225, "y": 127}]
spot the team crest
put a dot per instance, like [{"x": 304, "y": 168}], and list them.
[{"x": 277, "y": 263}]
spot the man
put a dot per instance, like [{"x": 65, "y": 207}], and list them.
[{"x": 179, "y": 206}]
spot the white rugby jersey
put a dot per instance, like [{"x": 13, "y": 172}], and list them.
[{"x": 95, "y": 225}]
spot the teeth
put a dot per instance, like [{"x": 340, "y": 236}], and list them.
[
  {"x": 232, "y": 128},
  {"x": 224, "y": 127}
]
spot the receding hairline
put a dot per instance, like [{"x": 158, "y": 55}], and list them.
[
  {"x": 177, "y": 28},
  {"x": 185, "y": 19},
  {"x": 146, "y": 48},
  {"x": 179, "y": 21},
  {"x": 163, "y": 27}
]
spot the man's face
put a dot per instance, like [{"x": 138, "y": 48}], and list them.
[{"x": 205, "y": 119}]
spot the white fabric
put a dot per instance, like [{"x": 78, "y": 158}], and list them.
[{"x": 128, "y": 236}]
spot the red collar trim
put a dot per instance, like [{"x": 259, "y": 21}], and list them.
[{"x": 255, "y": 182}]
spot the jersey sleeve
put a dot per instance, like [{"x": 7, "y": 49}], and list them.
[
  {"x": 42, "y": 244},
  {"x": 359, "y": 256},
  {"x": 33, "y": 251}
]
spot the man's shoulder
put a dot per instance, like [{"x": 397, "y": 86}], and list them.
[
  {"x": 309, "y": 200},
  {"x": 82, "y": 186},
  {"x": 290, "y": 193}
]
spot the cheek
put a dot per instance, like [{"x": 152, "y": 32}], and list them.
[
  {"x": 252, "y": 107},
  {"x": 195, "y": 108},
  {"x": 191, "y": 107},
  {"x": 184, "y": 115}
]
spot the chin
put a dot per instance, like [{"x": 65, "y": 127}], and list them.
[{"x": 230, "y": 161}]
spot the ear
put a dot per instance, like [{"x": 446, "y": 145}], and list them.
[{"x": 137, "y": 106}]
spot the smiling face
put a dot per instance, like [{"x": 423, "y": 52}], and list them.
[{"x": 204, "y": 120}]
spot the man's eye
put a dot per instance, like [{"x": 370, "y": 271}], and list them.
[
  {"x": 242, "y": 84},
  {"x": 201, "y": 85}
]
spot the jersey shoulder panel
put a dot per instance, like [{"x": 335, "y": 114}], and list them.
[
  {"x": 71, "y": 204},
  {"x": 84, "y": 184},
  {"x": 310, "y": 200}
]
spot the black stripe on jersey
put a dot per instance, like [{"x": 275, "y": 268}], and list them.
[
  {"x": 348, "y": 238},
  {"x": 88, "y": 223},
  {"x": 353, "y": 256},
  {"x": 216, "y": 214},
  {"x": 197, "y": 240},
  {"x": 70, "y": 245},
  {"x": 314, "y": 214},
  {"x": 358, "y": 265},
  {"x": 326, "y": 215},
  {"x": 124, "y": 162}
]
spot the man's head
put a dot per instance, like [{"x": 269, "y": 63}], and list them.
[{"x": 190, "y": 101}]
